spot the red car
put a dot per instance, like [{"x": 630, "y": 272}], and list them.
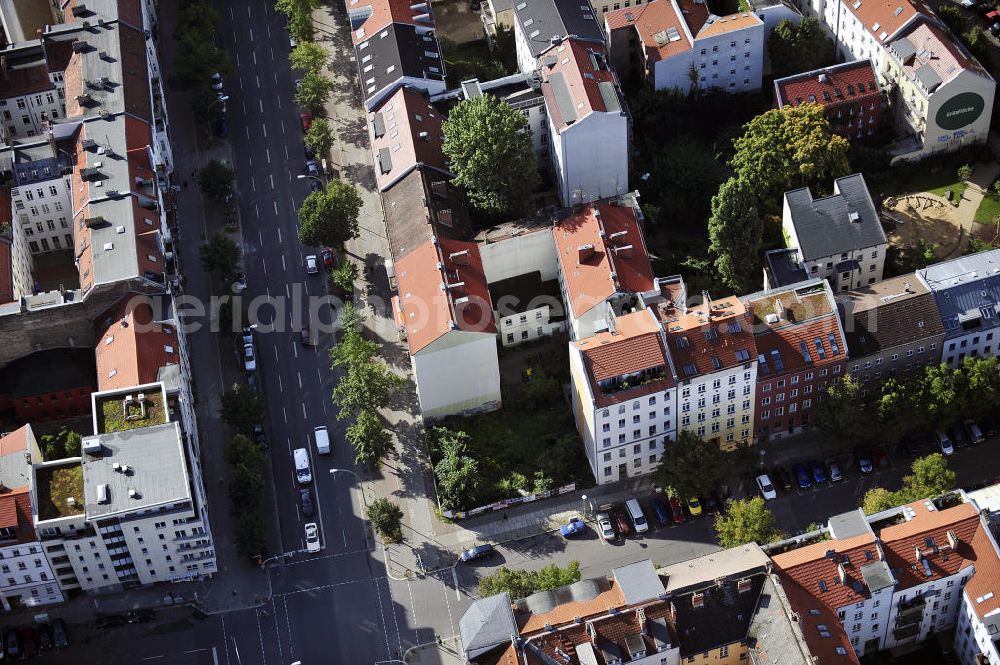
[
  {"x": 622, "y": 522},
  {"x": 307, "y": 120},
  {"x": 676, "y": 511},
  {"x": 327, "y": 258}
]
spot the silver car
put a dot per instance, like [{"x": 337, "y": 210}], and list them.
[{"x": 607, "y": 530}]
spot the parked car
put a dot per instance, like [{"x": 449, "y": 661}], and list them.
[
  {"x": 483, "y": 551},
  {"x": 910, "y": 445},
  {"x": 621, "y": 522},
  {"x": 607, "y": 529},
  {"x": 694, "y": 506},
  {"x": 992, "y": 16},
  {"x": 249, "y": 357},
  {"x": 315, "y": 186},
  {"x": 312, "y": 537},
  {"x": 574, "y": 526},
  {"x": 864, "y": 459},
  {"x": 306, "y": 499},
  {"x": 109, "y": 621},
  {"x": 327, "y": 256},
  {"x": 969, "y": 4},
  {"x": 676, "y": 511},
  {"x": 974, "y": 432},
  {"x": 711, "y": 502},
  {"x": 958, "y": 438},
  {"x": 310, "y": 155},
  {"x": 765, "y": 487},
  {"x": 989, "y": 428},
  {"x": 307, "y": 120},
  {"x": 943, "y": 442},
  {"x": 292, "y": 42},
  {"x": 995, "y": 29},
  {"x": 312, "y": 266},
  {"x": 59, "y": 638},
  {"x": 782, "y": 478},
  {"x": 835, "y": 474},
  {"x": 880, "y": 457},
  {"x": 818, "y": 472},
  {"x": 661, "y": 511},
  {"x": 802, "y": 476}
]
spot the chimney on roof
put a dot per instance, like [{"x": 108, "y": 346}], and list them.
[
  {"x": 698, "y": 600},
  {"x": 822, "y": 77},
  {"x": 779, "y": 309},
  {"x": 919, "y": 554},
  {"x": 423, "y": 136},
  {"x": 743, "y": 585},
  {"x": 625, "y": 251},
  {"x": 460, "y": 258},
  {"x": 706, "y": 299},
  {"x": 842, "y": 573},
  {"x": 584, "y": 252},
  {"x": 952, "y": 539},
  {"x": 640, "y": 617}
]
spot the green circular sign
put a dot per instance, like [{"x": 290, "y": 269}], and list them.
[{"x": 960, "y": 111}]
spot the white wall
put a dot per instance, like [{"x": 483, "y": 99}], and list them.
[
  {"x": 526, "y": 326},
  {"x": 457, "y": 373},
  {"x": 583, "y": 407},
  {"x": 938, "y": 138},
  {"x": 720, "y": 405},
  {"x": 25, "y": 572},
  {"x": 520, "y": 255},
  {"x": 44, "y": 211},
  {"x": 22, "y": 115},
  {"x": 591, "y": 158},
  {"x": 526, "y": 62},
  {"x": 972, "y": 637},
  {"x": 934, "y": 619},
  {"x": 729, "y": 62}
]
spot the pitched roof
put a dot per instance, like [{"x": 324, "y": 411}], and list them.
[
  {"x": 488, "y": 623},
  {"x": 442, "y": 288},
  {"x": 610, "y": 596},
  {"x": 842, "y": 222},
  {"x": 773, "y": 638},
  {"x": 811, "y": 616},
  {"x": 369, "y": 16},
  {"x": 131, "y": 347},
  {"x": 708, "y": 337},
  {"x": 965, "y": 289},
  {"x": 815, "y": 567},
  {"x": 845, "y": 83},
  {"x": 882, "y": 18},
  {"x": 421, "y": 205},
  {"x": 721, "y": 25},
  {"x": 15, "y": 513},
  {"x": 889, "y": 313},
  {"x": 601, "y": 252},
  {"x": 577, "y": 81},
  {"x": 397, "y": 51},
  {"x": 20, "y": 81},
  {"x": 930, "y": 55},
  {"x": 405, "y": 133},
  {"x": 632, "y": 347},
  {"x": 658, "y": 26},
  {"x": 542, "y": 20}
]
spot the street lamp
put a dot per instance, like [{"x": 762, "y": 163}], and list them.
[
  {"x": 583, "y": 498},
  {"x": 303, "y": 176}
]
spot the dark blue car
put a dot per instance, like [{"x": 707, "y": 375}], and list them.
[
  {"x": 573, "y": 527},
  {"x": 662, "y": 512},
  {"x": 478, "y": 552},
  {"x": 802, "y": 476},
  {"x": 818, "y": 472}
]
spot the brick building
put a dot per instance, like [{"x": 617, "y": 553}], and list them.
[{"x": 850, "y": 95}]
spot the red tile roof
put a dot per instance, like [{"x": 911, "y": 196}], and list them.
[
  {"x": 619, "y": 262},
  {"x": 688, "y": 335},
  {"x": 886, "y": 16},
  {"x": 808, "y": 565},
  {"x": 24, "y": 81},
  {"x": 583, "y": 67},
  {"x": 939, "y": 51},
  {"x": 723, "y": 24},
  {"x": 654, "y": 19},
  {"x": 133, "y": 346},
  {"x": 843, "y": 84},
  {"x": 430, "y": 308},
  {"x": 15, "y": 513},
  {"x": 370, "y": 16},
  {"x": 408, "y": 129},
  {"x": 812, "y": 615}
]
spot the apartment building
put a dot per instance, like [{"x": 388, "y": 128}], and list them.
[
  {"x": 521, "y": 93},
  {"x": 849, "y": 93},
  {"x": 893, "y": 579},
  {"x": 800, "y": 349},
  {"x": 588, "y": 122},
  {"x": 602, "y": 261},
  {"x": 32, "y": 91},
  {"x": 679, "y": 44},
  {"x": 26, "y": 577},
  {"x": 444, "y": 311},
  {"x": 40, "y": 193},
  {"x": 624, "y": 396},
  {"x": 538, "y": 24},
  {"x": 15, "y": 256},
  {"x": 893, "y": 329},
  {"x": 405, "y": 134},
  {"x": 527, "y": 308},
  {"x": 701, "y": 609},
  {"x": 942, "y": 95},
  {"x": 966, "y": 290},
  {"x": 839, "y": 237}
]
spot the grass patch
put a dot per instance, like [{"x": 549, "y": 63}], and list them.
[
  {"x": 55, "y": 485},
  {"x": 114, "y": 416},
  {"x": 989, "y": 209}
]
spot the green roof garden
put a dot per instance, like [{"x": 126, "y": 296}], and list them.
[{"x": 55, "y": 486}]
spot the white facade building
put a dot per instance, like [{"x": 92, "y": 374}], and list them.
[{"x": 42, "y": 197}]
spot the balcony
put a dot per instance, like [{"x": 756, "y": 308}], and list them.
[
  {"x": 906, "y": 632},
  {"x": 625, "y": 382}
]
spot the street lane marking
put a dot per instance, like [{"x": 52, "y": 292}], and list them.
[
  {"x": 264, "y": 128},
  {"x": 215, "y": 655},
  {"x": 378, "y": 597},
  {"x": 269, "y": 34},
  {"x": 344, "y": 532},
  {"x": 289, "y": 295},
  {"x": 244, "y": 103},
  {"x": 248, "y": 132},
  {"x": 320, "y": 377},
  {"x": 295, "y": 349},
  {"x": 271, "y": 176},
  {"x": 240, "y": 81},
  {"x": 254, "y": 54},
  {"x": 282, "y": 122},
  {"x": 283, "y": 267},
  {"x": 289, "y": 442},
  {"x": 269, "y": 48},
  {"x": 279, "y": 228},
  {"x": 253, "y": 185},
  {"x": 260, "y": 103},
  {"x": 275, "y": 203},
  {"x": 274, "y": 613},
  {"x": 260, "y": 631},
  {"x": 299, "y": 374},
  {"x": 304, "y": 410},
  {"x": 276, "y": 354},
  {"x": 278, "y": 99},
  {"x": 413, "y": 611},
  {"x": 250, "y": 158},
  {"x": 286, "y": 153},
  {"x": 288, "y": 625},
  {"x": 280, "y": 388},
  {"x": 237, "y": 55},
  {"x": 260, "y": 236},
  {"x": 194, "y": 650},
  {"x": 152, "y": 657},
  {"x": 225, "y": 639},
  {"x": 257, "y": 212},
  {"x": 284, "y": 415},
  {"x": 267, "y": 153},
  {"x": 454, "y": 577},
  {"x": 264, "y": 263},
  {"x": 248, "y": 16},
  {"x": 251, "y": 29},
  {"x": 231, "y": 17}
]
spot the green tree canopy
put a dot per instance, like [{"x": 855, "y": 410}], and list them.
[
  {"x": 786, "y": 148},
  {"x": 221, "y": 255},
  {"x": 345, "y": 275},
  {"x": 840, "y": 415},
  {"x": 319, "y": 137},
  {"x": 309, "y": 56},
  {"x": 799, "y": 48},
  {"x": 735, "y": 234},
  {"x": 878, "y": 499},
  {"x": 457, "y": 472},
  {"x": 330, "y": 217},
  {"x": 489, "y": 147},
  {"x": 976, "y": 385},
  {"x": 371, "y": 441},
  {"x": 241, "y": 409},
  {"x": 60, "y": 445},
  {"x": 746, "y": 521},
  {"x": 367, "y": 385},
  {"x": 353, "y": 349},
  {"x": 930, "y": 477},
  {"x": 521, "y": 583},
  {"x": 197, "y": 58},
  {"x": 691, "y": 465},
  {"x": 215, "y": 180},
  {"x": 386, "y": 518},
  {"x": 299, "y": 13},
  {"x": 313, "y": 91}
]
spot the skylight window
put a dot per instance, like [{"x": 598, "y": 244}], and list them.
[
  {"x": 683, "y": 343},
  {"x": 690, "y": 369},
  {"x": 711, "y": 334},
  {"x": 820, "y": 351},
  {"x": 734, "y": 327},
  {"x": 833, "y": 344},
  {"x": 742, "y": 355},
  {"x": 805, "y": 352},
  {"x": 779, "y": 364}
]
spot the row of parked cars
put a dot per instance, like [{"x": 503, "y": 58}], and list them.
[{"x": 31, "y": 640}]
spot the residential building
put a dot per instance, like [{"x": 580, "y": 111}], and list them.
[
  {"x": 31, "y": 94},
  {"x": 26, "y": 577},
  {"x": 15, "y": 256},
  {"x": 680, "y": 43},
  {"x": 41, "y": 194},
  {"x": 967, "y": 290},
  {"x": 602, "y": 260},
  {"x": 588, "y": 122},
  {"x": 48, "y": 385},
  {"x": 849, "y": 93},
  {"x": 400, "y": 55},
  {"x": 405, "y": 134},
  {"x": 714, "y": 354},
  {"x": 538, "y": 24},
  {"x": 800, "y": 349},
  {"x": 893, "y": 579},
  {"x": 527, "y": 308},
  {"x": 422, "y": 205},
  {"x": 494, "y": 14},
  {"x": 444, "y": 310},
  {"x": 838, "y": 237},
  {"x": 624, "y": 396},
  {"x": 22, "y": 20},
  {"x": 893, "y": 329},
  {"x": 942, "y": 95},
  {"x": 521, "y": 93},
  {"x": 773, "y": 12}
]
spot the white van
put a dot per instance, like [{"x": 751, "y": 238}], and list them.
[
  {"x": 322, "y": 440},
  {"x": 302, "y": 472},
  {"x": 638, "y": 519}
]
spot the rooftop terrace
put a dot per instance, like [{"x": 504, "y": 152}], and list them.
[
  {"x": 55, "y": 485},
  {"x": 128, "y": 410}
]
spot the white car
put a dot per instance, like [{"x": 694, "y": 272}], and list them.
[
  {"x": 312, "y": 537},
  {"x": 249, "y": 358},
  {"x": 312, "y": 265},
  {"x": 766, "y": 488},
  {"x": 607, "y": 530}
]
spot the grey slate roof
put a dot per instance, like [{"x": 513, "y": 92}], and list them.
[
  {"x": 541, "y": 20},
  {"x": 887, "y": 314},
  {"x": 824, "y": 226},
  {"x": 967, "y": 290},
  {"x": 773, "y": 639},
  {"x": 158, "y": 467},
  {"x": 638, "y": 581},
  {"x": 724, "y": 617},
  {"x": 488, "y": 623},
  {"x": 397, "y": 51}
]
